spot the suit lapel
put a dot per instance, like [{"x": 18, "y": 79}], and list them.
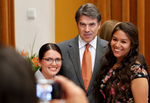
[
  {"x": 75, "y": 58},
  {"x": 100, "y": 51}
]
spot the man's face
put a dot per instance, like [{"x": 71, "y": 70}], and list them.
[{"x": 88, "y": 28}]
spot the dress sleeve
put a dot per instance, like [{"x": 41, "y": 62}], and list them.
[{"x": 138, "y": 71}]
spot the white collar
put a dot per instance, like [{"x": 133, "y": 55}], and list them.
[
  {"x": 39, "y": 75},
  {"x": 82, "y": 42}
]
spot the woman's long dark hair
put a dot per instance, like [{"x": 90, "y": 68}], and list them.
[{"x": 122, "y": 73}]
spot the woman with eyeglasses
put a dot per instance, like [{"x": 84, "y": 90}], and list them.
[{"x": 50, "y": 60}]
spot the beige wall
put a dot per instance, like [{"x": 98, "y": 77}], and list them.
[
  {"x": 43, "y": 26},
  {"x": 65, "y": 25}
]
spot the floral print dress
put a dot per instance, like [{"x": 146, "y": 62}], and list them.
[{"x": 138, "y": 72}]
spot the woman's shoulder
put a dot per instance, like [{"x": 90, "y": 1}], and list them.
[
  {"x": 39, "y": 75},
  {"x": 138, "y": 70}
]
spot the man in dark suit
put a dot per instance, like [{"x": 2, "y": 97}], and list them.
[{"x": 88, "y": 19}]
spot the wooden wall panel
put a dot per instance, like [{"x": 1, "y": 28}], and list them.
[
  {"x": 108, "y": 8},
  {"x": 95, "y": 2},
  {"x": 126, "y": 10},
  {"x": 7, "y": 22},
  {"x": 11, "y": 22},
  {"x": 133, "y": 11},
  {"x": 4, "y": 22},
  {"x": 102, "y": 8},
  {"x": 141, "y": 24},
  {"x": 116, "y": 10},
  {"x": 147, "y": 33},
  {"x": 0, "y": 23}
]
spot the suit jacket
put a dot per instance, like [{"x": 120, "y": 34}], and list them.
[{"x": 71, "y": 67}]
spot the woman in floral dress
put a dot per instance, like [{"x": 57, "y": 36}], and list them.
[{"x": 122, "y": 78}]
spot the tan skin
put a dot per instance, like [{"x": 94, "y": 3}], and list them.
[
  {"x": 50, "y": 70},
  {"x": 88, "y": 28},
  {"x": 139, "y": 89},
  {"x": 121, "y": 45}
]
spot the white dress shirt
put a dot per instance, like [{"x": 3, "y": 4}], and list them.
[{"x": 92, "y": 49}]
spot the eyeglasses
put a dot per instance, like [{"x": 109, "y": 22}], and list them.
[{"x": 50, "y": 60}]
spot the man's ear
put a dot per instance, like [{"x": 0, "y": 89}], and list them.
[{"x": 99, "y": 25}]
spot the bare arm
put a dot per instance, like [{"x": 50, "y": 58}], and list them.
[{"x": 139, "y": 88}]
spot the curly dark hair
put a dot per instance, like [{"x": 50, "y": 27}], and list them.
[{"x": 122, "y": 73}]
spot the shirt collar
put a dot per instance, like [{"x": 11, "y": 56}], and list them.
[{"x": 82, "y": 42}]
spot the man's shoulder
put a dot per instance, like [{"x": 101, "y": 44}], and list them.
[
  {"x": 68, "y": 42},
  {"x": 65, "y": 42},
  {"x": 102, "y": 41}
]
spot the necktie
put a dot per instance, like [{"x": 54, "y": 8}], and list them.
[{"x": 86, "y": 67}]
